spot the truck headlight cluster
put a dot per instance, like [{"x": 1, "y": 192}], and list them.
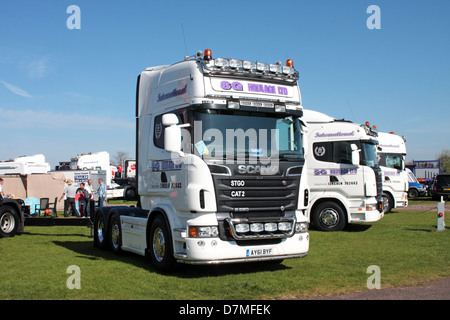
[
  {"x": 301, "y": 227},
  {"x": 246, "y": 229},
  {"x": 203, "y": 232}
]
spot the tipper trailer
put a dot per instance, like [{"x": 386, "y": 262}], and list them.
[{"x": 220, "y": 172}]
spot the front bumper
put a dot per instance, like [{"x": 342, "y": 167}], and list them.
[{"x": 217, "y": 251}]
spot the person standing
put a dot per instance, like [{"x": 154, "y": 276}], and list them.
[
  {"x": 1, "y": 189},
  {"x": 70, "y": 190},
  {"x": 101, "y": 191},
  {"x": 89, "y": 197}
]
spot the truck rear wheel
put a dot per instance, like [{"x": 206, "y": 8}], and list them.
[
  {"x": 115, "y": 233},
  {"x": 100, "y": 230},
  {"x": 329, "y": 216},
  {"x": 160, "y": 245},
  {"x": 9, "y": 222}
]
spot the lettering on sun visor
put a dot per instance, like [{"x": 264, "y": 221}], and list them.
[{"x": 250, "y": 87}]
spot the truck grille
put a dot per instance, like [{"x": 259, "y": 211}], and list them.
[
  {"x": 379, "y": 180},
  {"x": 267, "y": 195}
]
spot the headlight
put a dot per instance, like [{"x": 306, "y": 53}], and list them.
[
  {"x": 262, "y": 66},
  {"x": 220, "y": 62},
  {"x": 248, "y": 65},
  {"x": 203, "y": 232},
  {"x": 284, "y": 226},
  {"x": 301, "y": 227},
  {"x": 242, "y": 227},
  {"x": 235, "y": 63},
  {"x": 270, "y": 226},
  {"x": 288, "y": 70},
  {"x": 275, "y": 68},
  {"x": 256, "y": 227}
]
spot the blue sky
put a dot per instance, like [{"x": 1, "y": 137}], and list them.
[{"x": 65, "y": 92}]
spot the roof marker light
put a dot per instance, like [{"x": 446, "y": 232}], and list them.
[
  {"x": 207, "y": 55},
  {"x": 248, "y": 65}
]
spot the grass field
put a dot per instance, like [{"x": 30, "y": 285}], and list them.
[{"x": 404, "y": 245}]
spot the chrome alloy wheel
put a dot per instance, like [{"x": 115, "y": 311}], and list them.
[
  {"x": 100, "y": 226},
  {"x": 329, "y": 217},
  {"x": 115, "y": 235},
  {"x": 159, "y": 244}
]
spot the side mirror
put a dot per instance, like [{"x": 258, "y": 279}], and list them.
[
  {"x": 172, "y": 133},
  {"x": 355, "y": 155},
  {"x": 169, "y": 119}
]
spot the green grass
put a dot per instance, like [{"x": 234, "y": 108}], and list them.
[{"x": 404, "y": 245}]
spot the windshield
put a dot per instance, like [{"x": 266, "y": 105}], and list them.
[
  {"x": 369, "y": 154},
  {"x": 391, "y": 160},
  {"x": 240, "y": 134},
  {"x": 412, "y": 177}
]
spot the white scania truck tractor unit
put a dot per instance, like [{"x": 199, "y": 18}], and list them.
[
  {"x": 343, "y": 174},
  {"x": 220, "y": 166},
  {"x": 391, "y": 158}
]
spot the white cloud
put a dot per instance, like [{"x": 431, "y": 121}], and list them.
[
  {"x": 59, "y": 120},
  {"x": 16, "y": 90},
  {"x": 39, "y": 68}
]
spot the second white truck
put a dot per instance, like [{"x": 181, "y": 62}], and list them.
[{"x": 344, "y": 177}]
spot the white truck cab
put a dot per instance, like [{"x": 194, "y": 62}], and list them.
[
  {"x": 219, "y": 166},
  {"x": 343, "y": 173},
  {"x": 25, "y": 165},
  {"x": 391, "y": 158}
]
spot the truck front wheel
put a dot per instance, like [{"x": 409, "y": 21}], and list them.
[
  {"x": 160, "y": 245},
  {"x": 329, "y": 216},
  {"x": 9, "y": 221},
  {"x": 388, "y": 203}
]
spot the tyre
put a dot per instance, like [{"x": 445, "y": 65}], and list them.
[
  {"x": 100, "y": 231},
  {"x": 160, "y": 245},
  {"x": 329, "y": 216},
  {"x": 413, "y": 193},
  {"x": 388, "y": 203},
  {"x": 9, "y": 222},
  {"x": 115, "y": 233},
  {"x": 130, "y": 194}
]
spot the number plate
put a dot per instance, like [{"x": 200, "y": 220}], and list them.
[{"x": 259, "y": 252}]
